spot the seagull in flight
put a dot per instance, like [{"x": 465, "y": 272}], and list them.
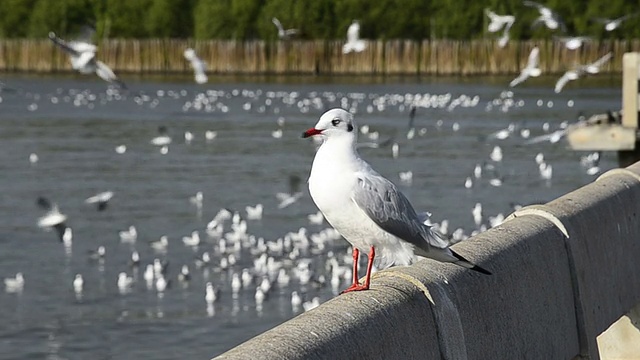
[
  {"x": 595, "y": 66},
  {"x": 282, "y": 33},
  {"x": 531, "y": 70},
  {"x": 498, "y": 21},
  {"x": 100, "y": 199},
  {"x": 365, "y": 208},
  {"x": 613, "y": 24},
  {"x": 82, "y": 55},
  {"x": 53, "y": 219},
  {"x": 576, "y": 73},
  {"x": 199, "y": 67},
  {"x": 548, "y": 17},
  {"x": 573, "y": 42},
  {"x": 353, "y": 39}
]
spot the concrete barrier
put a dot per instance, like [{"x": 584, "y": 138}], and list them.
[{"x": 563, "y": 272}]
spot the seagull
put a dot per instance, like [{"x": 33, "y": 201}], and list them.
[
  {"x": 14, "y": 284},
  {"x": 498, "y": 21},
  {"x": 163, "y": 139},
  {"x": 160, "y": 245},
  {"x": 102, "y": 199},
  {"x": 82, "y": 55},
  {"x": 199, "y": 67},
  {"x": 293, "y": 195},
  {"x": 129, "y": 236},
  {"x": 573, "y": 42},
  {"x": 254, "y": 212},
  {"x": 531, "y": 70},
  {"x": 595, "y": 66},
  {"x": 365, "y": 208},
  {"x": 569, "y": 75},
  {"x": 548, "y": 17},
  {"x": 353, "y": 39},
  {"x": 282, "y": 33},
  {"x": 53, "y": 218},
  {"x": 612, "y": 24},
  {"x": 78, "y": 283}
]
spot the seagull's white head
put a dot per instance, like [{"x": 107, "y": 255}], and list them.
[{"x": 333, "y": 124}]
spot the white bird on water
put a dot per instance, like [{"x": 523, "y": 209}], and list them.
[
  {"x": 199, "y": 67},
  {"x": 531, "y": 69},
  {"x": 354, "y": 43},
  {"x": 365, "y": 208},
  {"x": 14, "y": 284}
]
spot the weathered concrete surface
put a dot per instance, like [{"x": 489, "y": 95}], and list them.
[{"x": 562, "y": 273}]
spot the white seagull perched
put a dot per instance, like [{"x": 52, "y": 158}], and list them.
[
  {"x": 353, "y": 39},
  {"x": 282, "y": 33},
  {"x": 101, "y": 199},
  {"x": 198, "y": 66},
  {"x": 498, "y": 21},
  {"x": 82, "y": 55},
  {"x": 365, "y": 208},
  {"x": 548, "y": 17},
  {"x": 612, "y": 24},
  {"x": 531, "y": 70}
]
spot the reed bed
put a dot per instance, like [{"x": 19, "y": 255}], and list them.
[{"x": 381, "y": 57}]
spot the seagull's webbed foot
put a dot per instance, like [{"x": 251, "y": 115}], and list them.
[{"x": 356, "y": 286}]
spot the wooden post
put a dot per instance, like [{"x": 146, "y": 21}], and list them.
[{"x": 630, "y": 102}]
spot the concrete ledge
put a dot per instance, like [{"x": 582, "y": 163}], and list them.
[{"x": 563, "y": 273}]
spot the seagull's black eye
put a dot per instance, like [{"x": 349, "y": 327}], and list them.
[{"x": 335, "y": 122}]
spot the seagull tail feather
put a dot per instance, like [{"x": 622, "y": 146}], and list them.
[{"x": 465, "y": 263}]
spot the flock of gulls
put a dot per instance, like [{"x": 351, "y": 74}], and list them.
[
  {"x": 253, "y": 264},
  {"x": 552, "y": 21}
]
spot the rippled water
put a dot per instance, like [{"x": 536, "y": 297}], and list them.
[{"x": 73, "y": 126}]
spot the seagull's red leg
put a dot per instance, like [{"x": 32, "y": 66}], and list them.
[
  {"x": 367, "y": 278},
  {"x": 356, "y": 259},
  {"x": 356, "y": 285}
]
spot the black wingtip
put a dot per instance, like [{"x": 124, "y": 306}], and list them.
[
  {"x": 466, "y": 264},
  {"x": 481, "y": 270}
]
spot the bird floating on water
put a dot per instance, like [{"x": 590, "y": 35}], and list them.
[{"x": 365, "y": 208}]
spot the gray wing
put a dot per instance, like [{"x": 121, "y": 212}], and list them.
[
  {"x": 391, "y": 210},
  {"x": 62, "y": 44}
]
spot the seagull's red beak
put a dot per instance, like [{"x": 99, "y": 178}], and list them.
[{"x": 311, "y": 132}]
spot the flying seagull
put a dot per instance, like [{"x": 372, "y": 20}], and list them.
[
  {"x": 548, "y": 17},
  {"x": 199, "y": 67},
  {"x": 353, "y": 39},
  {"x": 612, "y": 24},
  {"x": 282, "y": 33},
  {"x": 82, "y": 55},
  {"x": 530, "y": 70},
  {"x": 53, "y": 219},
  {"x": 364, "y": 207}
]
